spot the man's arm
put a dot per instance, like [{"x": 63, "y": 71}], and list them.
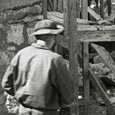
[
  {"x": 7, "y": 81},
  {"x": 9, "y": 76},
  {"x": 64, "y": 82}
]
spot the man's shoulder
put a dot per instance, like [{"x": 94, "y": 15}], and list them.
[
  {"x": 55, "y": 55},
  {"x": 24, "y": 49}
]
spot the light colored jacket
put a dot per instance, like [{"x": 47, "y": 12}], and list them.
[{"x": 39, "y": 78}]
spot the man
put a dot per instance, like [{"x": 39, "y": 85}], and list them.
[{"x": 37, "y": 77}]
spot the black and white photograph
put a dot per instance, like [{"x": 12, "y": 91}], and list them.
[{"x": 57, "y": 57}]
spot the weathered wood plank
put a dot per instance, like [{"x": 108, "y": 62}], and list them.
[
  {"x": 109, "y": 7},
  {"x": 84, "y": 4},
  {"x": 102, "y": 8},
  {"x": 70, "y": 26},
  {"x": 95, "y": 27},
  {"x": 102, "y": 93},
  {"x": 85, "y": 65},
  {"x": 66, "y": 18},
  {"x": 105, "y": 57},
  {"x": 44, "y": 6},
  {"x": 50, "y": 5},
  {"x": 55, "y": 5},
  {"x": 94, "y": 14},
  {"x": 60, "y": 5},
  {"x": 59, "y": 17},
  {"x": 88, "y": 37},
  {"x": 98, "y": 36}
]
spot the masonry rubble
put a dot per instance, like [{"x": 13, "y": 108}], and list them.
[{"x": 16, "y": 24}]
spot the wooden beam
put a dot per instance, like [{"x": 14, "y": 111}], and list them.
[
  {"x": 109, "y": 7},
  {"x": 101, "y": 92},
  {"x": 99, "y": 36},
  {"x": 66, "y": 18},
  {"x": 50, "y": 5},
  {"x": 60, "y": 5},
  {"x": 58, "y": 17},
  {"x": 105, "y": 57},
  {"x": 44, "y": 7},
  {"x": 85, "y": 58},
  {"x": 55, "y": 4},
  {"x": 102, "y": 8},
  {"x": 94, "y": 14},
  {"x": 71, "y": 34},
  {"x": 84, "y": 4}
]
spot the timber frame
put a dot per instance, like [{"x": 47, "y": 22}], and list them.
[{"x": 79, "y": 31}]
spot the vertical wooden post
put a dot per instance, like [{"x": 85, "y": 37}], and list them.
[
  {"x": 84, "y": 5},
  {"x": 109, "y": 7},
  {"x": 102, "y": 8},
  {"x": 85, "y": 55},
  {"x": 55, "y": 4},
  {"x": 44, "y": 7},
  {"x": 85, "y": 58},
  {"x": 60, "y": 5},
  {"x": 72, "y": 34},
  {"x": 66, "y": 18}
]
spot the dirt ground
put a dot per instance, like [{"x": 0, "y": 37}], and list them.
[{"x": 95, "y": 109}]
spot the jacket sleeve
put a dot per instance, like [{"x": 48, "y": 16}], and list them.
[
  {"x": 64, "y": 83},
  {"x": 8, "y": 78}
]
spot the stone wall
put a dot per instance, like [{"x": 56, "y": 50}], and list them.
[{"x": 16, "y": 24}]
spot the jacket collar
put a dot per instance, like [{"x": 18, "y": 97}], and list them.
[{"x": 40, "y": 44}]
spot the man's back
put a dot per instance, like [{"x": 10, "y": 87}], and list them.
[
  {"x": 33, "y": 82},
  {"x": 38, "y": 77}
]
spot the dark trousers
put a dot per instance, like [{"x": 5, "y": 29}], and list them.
[{"x": 28, "y": 111}]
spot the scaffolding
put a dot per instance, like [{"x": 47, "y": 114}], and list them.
[{"x": 79, "y": 30}]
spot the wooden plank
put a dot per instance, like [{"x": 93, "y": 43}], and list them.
[
  {"x": 71, "y": 34},
  {"x": 100, "y": 90},
  {"x": 86, "y": 85},
  {"x": 50, "y": 5},
  {"x": 55, "y": 5},
  {"x": 110, "y": 63},
  {"x": 94, "y": 14},
  {"x": 96, "y": 28},
  {"x": 98, "y": 36},
  {"x": 84, "y": 4},
  {"x": 66, "y": 19},
  {"x": 100, "y": 87},
  {"x": 60, "y": 5},
  {"x": 44, "y": 7},
  {"x": 109, "y": 7},
  {"x": 58, "y": 17},
  {"x": 102, "y": 8},
  {"x": 105, "y": 57}
]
